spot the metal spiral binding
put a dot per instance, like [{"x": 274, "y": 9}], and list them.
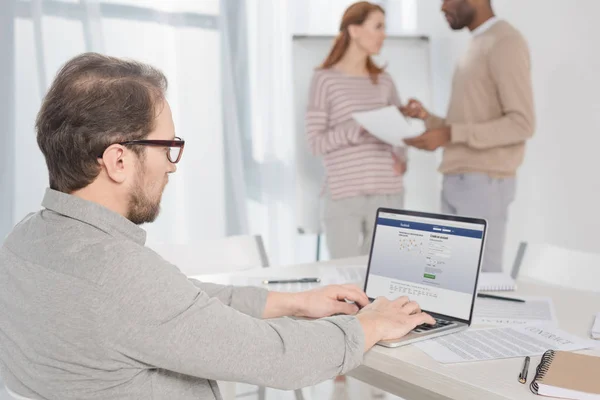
[{"x": 542, "y": 369}]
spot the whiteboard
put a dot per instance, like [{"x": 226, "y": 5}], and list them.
[{"x": 407, "y": 60}]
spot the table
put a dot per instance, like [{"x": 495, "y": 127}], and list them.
[{"x": 408, "y": 372}]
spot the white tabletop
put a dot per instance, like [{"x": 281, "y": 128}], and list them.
[{"x": 410, "y": 373}]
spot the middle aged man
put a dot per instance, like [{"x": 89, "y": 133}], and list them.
[{"x": 88, "y": 312}]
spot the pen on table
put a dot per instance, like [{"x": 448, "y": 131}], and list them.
[
  {"x": 523, "y": 374},
  {"x": 491, "y": 296},
  {"x": 298, "y": 280}
]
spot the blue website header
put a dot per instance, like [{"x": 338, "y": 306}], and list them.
[{"x": 440, "y": 229}]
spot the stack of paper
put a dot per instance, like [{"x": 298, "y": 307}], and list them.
[
  {"x": 497, "y": 343},
  {"x": 535, "y": 311},
  {"x": 495, "y": 281},
  {"x": 596, "y": 327}
]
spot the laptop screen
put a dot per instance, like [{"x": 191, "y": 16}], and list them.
[{"x": 432, "y": 260}]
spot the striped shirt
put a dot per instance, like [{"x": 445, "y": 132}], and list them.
[{"x": 356, "y": 162}]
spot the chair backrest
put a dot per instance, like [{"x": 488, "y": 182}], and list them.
[
  {"x": 229, "y": 254},
  {"x": 558, "y": 266}
]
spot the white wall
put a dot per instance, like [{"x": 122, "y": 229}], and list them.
[{"x": 558, "y": 190}]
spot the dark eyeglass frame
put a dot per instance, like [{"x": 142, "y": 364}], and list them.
[{"x": 178, "y": 142}]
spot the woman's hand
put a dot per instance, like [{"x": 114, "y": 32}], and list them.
[
  {"x": 414, "y": 109},
  {"x": 399, "y": 165}
]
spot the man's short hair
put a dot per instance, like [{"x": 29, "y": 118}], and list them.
[{"x": 95, "y": 101}]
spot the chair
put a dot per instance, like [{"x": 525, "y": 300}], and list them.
[
  {"x": 558, "y": 266},
  {"x": 229, "y": 254}
]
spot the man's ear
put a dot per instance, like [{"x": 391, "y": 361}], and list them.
[{"x": 114, "y": 162}]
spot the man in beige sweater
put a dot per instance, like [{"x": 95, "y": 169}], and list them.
[{"x": 490, "y": 117}]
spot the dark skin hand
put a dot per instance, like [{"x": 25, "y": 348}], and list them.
[{"x": 431, "y": 140}]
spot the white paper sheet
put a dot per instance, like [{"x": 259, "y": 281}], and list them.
[
  {"x": 387, "y": 124},
  {"x": 497, "y": 343},
  {"x": 596, "y": 327},
  {"x": 331, "y": 276},
  {"x": 495, "y": 281},
  {"x": 535, "y": 311},
  {"x": 343, "y": 275}
]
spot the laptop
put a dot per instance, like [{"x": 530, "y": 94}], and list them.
[{"x": 432, "y": 259}]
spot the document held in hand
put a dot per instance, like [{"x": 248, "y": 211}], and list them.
[{"x": 387, "y": 124}]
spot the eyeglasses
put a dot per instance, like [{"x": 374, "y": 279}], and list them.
[{"x": 175, "y": 147}]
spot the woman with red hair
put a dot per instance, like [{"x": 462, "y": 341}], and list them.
[{"x": 363, "y": 173}]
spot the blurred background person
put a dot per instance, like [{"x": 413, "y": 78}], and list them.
[
  {"x": 363, "y": 173},
  {"x": 490, "y": 117}
]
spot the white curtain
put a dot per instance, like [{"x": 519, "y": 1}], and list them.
[
  {"x": 236, "y": 113},
  {"x": 7, "y": 117},
  {"x": 272, "y": 206},
  {"x": 266, "y": 119},
  {"x": 258, "y": 122},
  {"x": 179, "y": 37},
  {"x": 263, "y": 80}
]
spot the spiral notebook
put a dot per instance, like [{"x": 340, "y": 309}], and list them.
[
  {"x": 567, "y": 375},
  {"x": 495, "y": 282}
]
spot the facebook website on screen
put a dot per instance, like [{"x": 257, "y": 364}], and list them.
[{"x": 432, "y": 261}]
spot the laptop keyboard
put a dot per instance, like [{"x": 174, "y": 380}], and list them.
[{"x": 439, "y": 323}]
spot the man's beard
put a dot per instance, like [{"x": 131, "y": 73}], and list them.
[
  {"x": 462, "y": 17},
  {"x": 141, "y": 208}
]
